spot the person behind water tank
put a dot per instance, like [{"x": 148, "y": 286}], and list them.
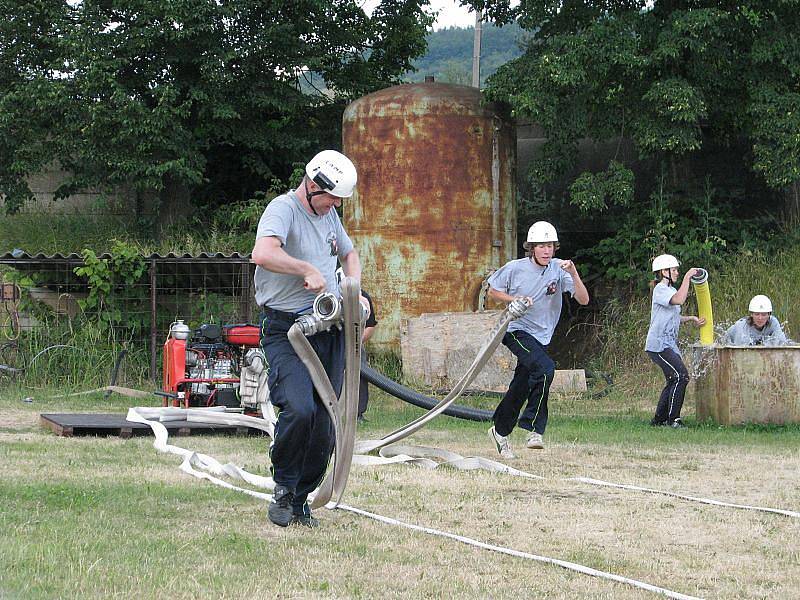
[
  {"x": 299, "y": 241},
  {"x": 543, "y": 279},
  {"x": 662, "y": 337},
  {"x": 760, "y": 328},
  {"x": 369, "y": 329}
]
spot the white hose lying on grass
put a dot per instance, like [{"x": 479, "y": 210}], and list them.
[
  {"x": 519, "y": 554},
  {"x": 206, "y": 467},
  {"x": 416, "y": 455}
]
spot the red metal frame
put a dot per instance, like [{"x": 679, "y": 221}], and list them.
[{"x": 174, "y": 364}]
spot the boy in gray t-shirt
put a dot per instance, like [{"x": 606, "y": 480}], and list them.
[{"x": 543, "y": 279}]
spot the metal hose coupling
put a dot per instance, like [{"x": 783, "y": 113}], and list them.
[
  {"x": 327, "y": 312},
  {"x": 518, "y": 306},
  {"x": 701, "y": 276}
]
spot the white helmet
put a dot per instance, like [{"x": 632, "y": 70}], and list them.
[
  {"x": 760, "y": 304},
  {"x": 333, "y": 172},
  {"x": 541, "y": 232},
  {"x": 664, "y": 261}
]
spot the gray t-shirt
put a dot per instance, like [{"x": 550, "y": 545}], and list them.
[
  {"x": 546, "y": 285},
  {"x": 742, "y": 333},
  {"x": 319, "y": 240},
  {"x": 665, "y": 319}
]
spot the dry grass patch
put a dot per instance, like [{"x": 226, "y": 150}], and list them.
[{"x": 100, "y": 517}]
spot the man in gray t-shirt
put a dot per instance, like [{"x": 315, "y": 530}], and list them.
[
  {"x": 318, "y": 240},
  {"x": 300, "y": 239},
  {"x": 543, "y": 279}
]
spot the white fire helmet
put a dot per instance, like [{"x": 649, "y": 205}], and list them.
[
  {"x": 664, "y": 261},
  {"x": 541, "y": 232},
  {"x": 760, "y": 304},
  {"x": 333, "y": 172}
]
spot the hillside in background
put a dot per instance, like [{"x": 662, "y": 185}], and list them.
[{"x": 449, "y": 55}]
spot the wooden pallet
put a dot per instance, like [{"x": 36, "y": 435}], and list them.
[{"x": 103, "y": 424}]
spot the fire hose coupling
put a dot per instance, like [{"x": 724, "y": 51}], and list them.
[
  {"x": 327, "y": 312},
  {"x": 700, "y": 277},
  {"x": 518, "y": 306}
]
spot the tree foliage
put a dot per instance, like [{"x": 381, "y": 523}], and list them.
[
  {"x": 674, "y": 77},
  {"x": 207, "y": 96}
]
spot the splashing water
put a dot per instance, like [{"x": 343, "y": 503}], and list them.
[{"x": 703, "y": 359}]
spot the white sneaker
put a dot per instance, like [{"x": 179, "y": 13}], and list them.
[
  {"x": 535, "y": 440},
  {"x": 501, "y": 443}
]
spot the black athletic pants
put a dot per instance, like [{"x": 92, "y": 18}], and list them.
[
  {"x": 677, "y": 378},
  {"x": 304, "y": 433},
  {"x": 532, "y": 378}
]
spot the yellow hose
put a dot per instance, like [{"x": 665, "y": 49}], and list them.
[{"x": 704, "y": 311}]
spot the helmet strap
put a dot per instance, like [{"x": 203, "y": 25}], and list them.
[{"x": 310, "y": 195}]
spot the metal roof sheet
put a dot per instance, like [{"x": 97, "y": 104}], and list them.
[{"x": 209, "y": 271}]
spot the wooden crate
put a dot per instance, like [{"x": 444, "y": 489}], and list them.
[{"x": 754, "y": 384}]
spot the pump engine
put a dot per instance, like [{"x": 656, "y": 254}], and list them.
[{"x": 214, "y": 366}]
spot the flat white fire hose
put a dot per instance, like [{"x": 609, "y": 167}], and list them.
[
  {"x": 526, "y": 555},
  {"x": 513, "y": 311}
]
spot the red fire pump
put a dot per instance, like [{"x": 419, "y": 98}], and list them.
[{"x": 203, "y": 367}]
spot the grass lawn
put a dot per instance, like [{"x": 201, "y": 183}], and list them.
[{"x": 106, "y": 517}]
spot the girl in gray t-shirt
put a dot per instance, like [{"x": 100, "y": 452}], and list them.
[
  {"x": 759, "y": 328},
  {"x": 662, "y": 337}
]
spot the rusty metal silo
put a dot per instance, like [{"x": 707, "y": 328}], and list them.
[{"x": 434, "y": 210}]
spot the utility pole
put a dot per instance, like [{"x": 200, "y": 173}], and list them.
[{"x": 476, "y": 52}]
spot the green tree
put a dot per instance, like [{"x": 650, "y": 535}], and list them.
[
  {"x": 199, "y": 99},
  {"x": 676, "y": 78}
]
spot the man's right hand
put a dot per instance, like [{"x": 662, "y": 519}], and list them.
[{"x": 314, "y": 281}]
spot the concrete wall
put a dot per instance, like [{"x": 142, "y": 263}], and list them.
[
  {"x": 92, "y": 201},
  {"x": 438, "y": 348}
]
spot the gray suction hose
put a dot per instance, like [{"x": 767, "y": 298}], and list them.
[
  {"x": 353, "y": 317},
  {"x": 325, "y": 391}
]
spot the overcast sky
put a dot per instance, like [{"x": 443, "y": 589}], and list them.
[{"x": 451, "y": 14}]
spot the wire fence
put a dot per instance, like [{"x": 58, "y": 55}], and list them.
[{"x": 45, "y": 302}]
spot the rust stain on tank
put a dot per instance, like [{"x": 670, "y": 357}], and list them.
[{"x": 434, "y": 210}]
